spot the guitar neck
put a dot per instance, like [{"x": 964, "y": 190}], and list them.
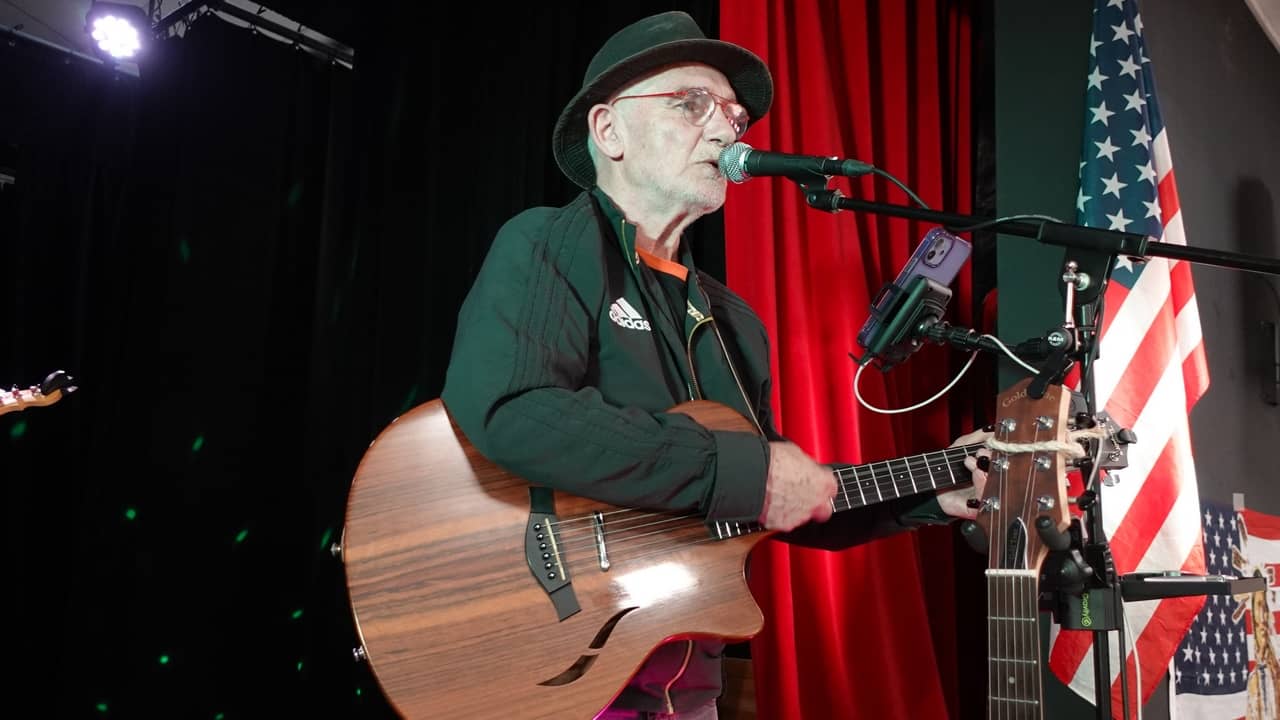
[
  {"x": 877, "y": 482},
  {"x": 1013, "y": 641},
  {"x": 884, "y": 480}
]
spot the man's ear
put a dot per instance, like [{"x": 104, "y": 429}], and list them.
[{"x": 603, "y": 125}]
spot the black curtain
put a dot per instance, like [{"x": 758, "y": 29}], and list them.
[{"x": 250, "y": 261}]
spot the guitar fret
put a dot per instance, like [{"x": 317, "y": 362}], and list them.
[
  {"x": 928, "y": 460},
  {"x": 859, "y": 481},
  {"x": 844, "y": 489},
  {"x": 912, "y": 475},
  {"x": 876, "y": 480},
  {"x": 1016, "y": 700}
]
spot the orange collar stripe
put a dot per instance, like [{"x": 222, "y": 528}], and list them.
[{"x": 665, "y": 266}]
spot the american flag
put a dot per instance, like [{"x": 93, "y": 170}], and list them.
[
  {"x": 1212, "y": 664},
  {"x": 1151, "y": 368}
]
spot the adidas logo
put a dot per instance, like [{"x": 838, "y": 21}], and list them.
[{"x": 621, "y": 312}]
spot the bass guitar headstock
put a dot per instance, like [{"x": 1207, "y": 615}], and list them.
[{"x": 55, "y": 385}]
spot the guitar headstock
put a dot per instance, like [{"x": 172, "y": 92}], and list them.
[
  {"x": 55, "y": 385},
  {"x": 1025, "y": 499}
]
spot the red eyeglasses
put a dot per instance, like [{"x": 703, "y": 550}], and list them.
[{"x": 699, "y": 104}]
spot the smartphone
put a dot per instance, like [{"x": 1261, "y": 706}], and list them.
[{"x": 939, "y": 257}]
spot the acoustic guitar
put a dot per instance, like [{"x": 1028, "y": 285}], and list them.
[
  {"x": 474, "y": 592},
  {"x": 1024, "y": 513}
]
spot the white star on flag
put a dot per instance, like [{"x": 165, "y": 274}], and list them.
[
  {"x": 1129, "y": 67},
  {"x": 1134, "y": 101},
  {"x": 1096, "y": 77},
  {"x": 1101, "y": 113},
  {"x": 1118, "y": 221},
  {"x": 1106, "y": 148},
  {"x": 1114, "y": 186}
]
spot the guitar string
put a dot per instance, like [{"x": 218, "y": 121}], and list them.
[
  {"x": 996, "y": 589},
  {"x": 994, "y": 711},
  {"x": 622, "y": 540},
  {"x": 624, "y": 546},
  {"x": 1014, "y": 588},
  {"x": 1028, "y": 502},
  {"x": 626, "y": 519},
  {"x": 951, "y": 455},
  {"x": 997, "y": 546},
  {"x": 1022, "y": 589},
  {"x": 582, "y": 532}
]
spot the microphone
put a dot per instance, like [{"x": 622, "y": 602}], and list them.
[{"x": 740, "y": 162}]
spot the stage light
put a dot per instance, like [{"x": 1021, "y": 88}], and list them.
[{"x": 119, "y": 30}]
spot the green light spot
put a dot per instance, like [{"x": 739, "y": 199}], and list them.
[
  {"x": 240, "y": 536},
  {"x": 295, "y": 194},
  {"x": 130, "y": 514},
  {"x": 324, "y": 539},
  {"x": 219, "y": 716},
  {"x": 18, "y": 430},
  {"x": 199, "y": 443},
  {"x": 359, "y": 692},
  {"x": 297, "y": 614},
  {"x": 102, "y": 707},
  {"x": 299, "y": 666},
  {"x": 164, "y": 659},
  {"x": 184, "y": 250}
]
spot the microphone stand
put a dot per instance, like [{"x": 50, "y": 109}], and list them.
[{"x": 1080, "y": 585}]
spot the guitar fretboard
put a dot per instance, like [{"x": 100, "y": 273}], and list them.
[
  {"x": 1013, "y": 642},
  {"x": 876, "y": 482}
]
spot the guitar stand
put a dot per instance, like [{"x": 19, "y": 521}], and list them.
[{"x": 1079, "y": 586}]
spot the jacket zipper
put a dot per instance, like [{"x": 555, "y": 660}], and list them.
[
  {"x": 727, "y": 360},
  {"x": 694, "y": 391}
]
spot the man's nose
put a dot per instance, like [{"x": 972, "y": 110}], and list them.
[{"x": 719, "y": 130}]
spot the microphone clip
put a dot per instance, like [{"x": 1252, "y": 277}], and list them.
[{"x": 818, "y": 195}]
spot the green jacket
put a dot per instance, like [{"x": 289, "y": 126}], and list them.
[{"x": 565, "y": 362}]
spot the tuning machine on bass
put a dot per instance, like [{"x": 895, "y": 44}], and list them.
[{"x": 55, "y": 385}]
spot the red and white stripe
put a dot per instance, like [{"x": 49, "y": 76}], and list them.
[{"x": 1150, "y": 372}]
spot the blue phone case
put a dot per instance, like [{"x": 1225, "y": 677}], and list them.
[{"x": 939, "y": 257}]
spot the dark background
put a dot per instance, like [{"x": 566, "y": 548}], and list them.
[{"x": 250, "y": 260}]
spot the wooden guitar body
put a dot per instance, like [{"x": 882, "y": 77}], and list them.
[{"x": 456, "y": 620}]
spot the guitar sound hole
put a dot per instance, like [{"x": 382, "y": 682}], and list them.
[
  {"x": 583, "y": 663},
  {"x": 607, "y": 629},
  {"x": 571, "y": 673}
]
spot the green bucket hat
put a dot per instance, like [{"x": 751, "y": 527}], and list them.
[{"x": 645, "y": 45}]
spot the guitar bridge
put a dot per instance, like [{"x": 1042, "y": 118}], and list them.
[{"x": 543, "y": 553}]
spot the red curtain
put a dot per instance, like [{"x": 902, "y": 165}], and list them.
[{"x": 870, "y": 631}]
